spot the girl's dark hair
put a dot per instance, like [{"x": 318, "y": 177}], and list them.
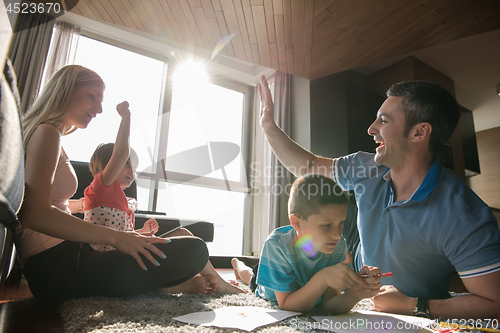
[
  {"x": 102, "y": 154},
  {"x": 312, "y": 192},
  {"x": 100, "y": 157}
]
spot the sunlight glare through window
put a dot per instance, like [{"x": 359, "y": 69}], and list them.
[
  {"x": 125, "y": 81},
  {"x": 202, "y": 115},
  {"x": 190, "y": 73}
]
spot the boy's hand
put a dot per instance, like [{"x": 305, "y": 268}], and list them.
[
  {"x": 341, "y": 276},
  {"x": 373, "y": 283},
  {"x": 122, "y": 109}
]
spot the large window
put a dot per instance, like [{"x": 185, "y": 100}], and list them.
[{"x": 190, "y": 130}]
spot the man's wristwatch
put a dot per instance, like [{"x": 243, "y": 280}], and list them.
[{"x": 422, "y": 308}]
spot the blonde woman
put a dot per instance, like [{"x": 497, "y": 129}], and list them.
[{"x": 58, "y": 262}]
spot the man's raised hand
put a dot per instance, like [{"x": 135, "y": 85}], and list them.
[{"x": 266, "y": 103}]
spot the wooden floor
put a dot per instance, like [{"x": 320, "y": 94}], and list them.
[{"x": 19, "y": 312}]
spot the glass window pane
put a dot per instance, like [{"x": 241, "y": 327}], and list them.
[
  {"x": 143, "y": 191},
  {"x": 223, "y": 208},
  {"x": 205, "y": 138},
  {"x": 205, "y": 132},
  {"x": 128, "y": 77}
]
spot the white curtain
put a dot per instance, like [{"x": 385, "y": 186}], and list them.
[
  {"x": 62, "y": 49},
  {"x": 270, "y": 181}
]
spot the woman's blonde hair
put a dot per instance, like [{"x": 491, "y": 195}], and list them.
[{"x": 53, "y": 101}]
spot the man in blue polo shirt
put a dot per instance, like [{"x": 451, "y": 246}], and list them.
[{"x": 416, "y": 219}]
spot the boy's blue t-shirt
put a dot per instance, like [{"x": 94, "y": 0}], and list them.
[{"x": 285, "y": 268}]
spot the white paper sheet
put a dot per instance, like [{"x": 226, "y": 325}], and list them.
[
  {"x": 371, "y": 322},
  {"x": 243, "y": 317}
]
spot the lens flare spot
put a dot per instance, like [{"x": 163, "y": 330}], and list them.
[
  {"x": 305, "y": 243},
  {"x": 222, "y": 43}
]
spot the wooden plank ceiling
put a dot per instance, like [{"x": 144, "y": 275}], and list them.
[{"x": 308, "y": 38}]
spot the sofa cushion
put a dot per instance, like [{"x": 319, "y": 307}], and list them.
[
  {"x": 199, "y": 228},
  {"x": 12, "y": 168},
  {"x": 11, "y": 153}
]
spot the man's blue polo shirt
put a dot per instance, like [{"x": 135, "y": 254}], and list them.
[{"x": 444, "y": 225}]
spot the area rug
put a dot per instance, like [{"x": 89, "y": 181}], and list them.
[{"x": 153, "y": 312}]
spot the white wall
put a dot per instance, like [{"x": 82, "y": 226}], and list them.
[{"x": 300, "y": 130}]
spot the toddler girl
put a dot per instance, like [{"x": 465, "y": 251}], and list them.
[{"x": 113, "y": 169}]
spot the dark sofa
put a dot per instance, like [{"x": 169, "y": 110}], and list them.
[{"x": 11, "y": 168}]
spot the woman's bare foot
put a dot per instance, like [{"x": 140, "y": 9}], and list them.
[
  {"x": 207, "y": 281},
  {"x": 225, "y": 287},
  {"x": 197, "y": 285},
  {"x": 234, "y": 282}
]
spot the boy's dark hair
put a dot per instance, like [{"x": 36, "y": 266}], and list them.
[
  {"x": 430, "y": 103},
  {"x": 312, "y": 192},
  {"x": 102, "y": 154}
]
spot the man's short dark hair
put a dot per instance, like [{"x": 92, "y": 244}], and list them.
[
  {"x": 430, "y": 103},
  {"x": 312, "y": 192}
]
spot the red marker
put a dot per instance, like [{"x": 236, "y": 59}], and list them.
[{"x": 377, "y": 275}]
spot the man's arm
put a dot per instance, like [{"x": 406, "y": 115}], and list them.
[
  {"x": 295, "y": 158},
  {"x": 482, "y": 303}
]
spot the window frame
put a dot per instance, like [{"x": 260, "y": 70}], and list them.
[{"x": 161, "y": 142}]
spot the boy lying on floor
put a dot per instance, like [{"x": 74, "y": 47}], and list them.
[{"x": 307, "y": 263}]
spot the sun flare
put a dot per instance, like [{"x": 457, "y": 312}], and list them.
[{"x": 190, "y": 73}]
